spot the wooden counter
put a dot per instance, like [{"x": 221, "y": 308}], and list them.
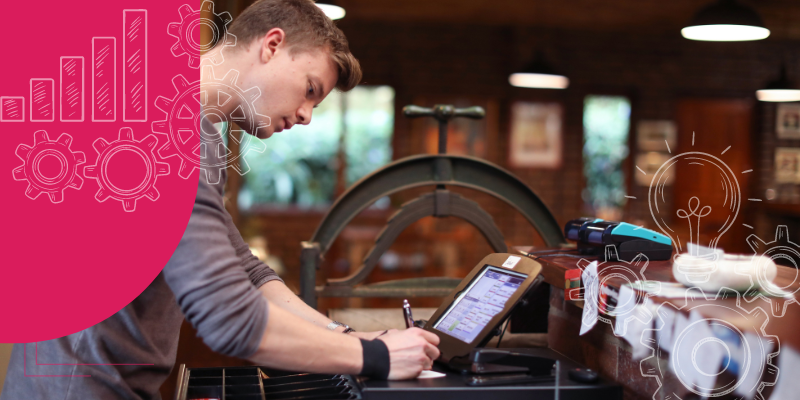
[{"x": 602, "y": 350}]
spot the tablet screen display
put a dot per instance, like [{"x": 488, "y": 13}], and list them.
[{"x": 485, "y": 297}]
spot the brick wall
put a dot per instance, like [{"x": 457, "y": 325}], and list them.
[
  {"x": 769, "y": 214},
  {"x": 438, "y": 60}
]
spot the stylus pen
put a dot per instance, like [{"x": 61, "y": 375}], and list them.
[{"x": 407, "y": 314}]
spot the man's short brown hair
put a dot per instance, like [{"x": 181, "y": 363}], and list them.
[{"x": 306, "y": 27}]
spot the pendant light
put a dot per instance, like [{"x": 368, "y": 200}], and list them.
[
  {"x": 330, "y": 9},
  {"x": 726, "y": 21},
  {"x": 779, "y": 90},
  {"x": 538, "y": 75}
]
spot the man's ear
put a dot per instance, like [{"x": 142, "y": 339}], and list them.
[{"x": 273, "y": 41}]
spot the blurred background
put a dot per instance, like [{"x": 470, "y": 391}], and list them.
[
  {"x": 634, "y": 92},
  {"x": 626, "y": 91},
  {"x": 638, "y": 93}
]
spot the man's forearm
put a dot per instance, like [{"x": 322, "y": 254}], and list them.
[
  {"x": 293, "y": 343},
  {"x": 278, "y": 294}
]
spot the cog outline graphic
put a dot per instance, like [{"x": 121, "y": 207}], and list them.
[
  {"x": 622, "y": 270},
  {"x": 773, "y": 250},
  {"x": 30, "y": 171},
  {"x": 184, "y": 30},
  {"x": 183, "y": 124},
  {"x": 696, "y": 299},
  {"x": 126, "y": 143}
]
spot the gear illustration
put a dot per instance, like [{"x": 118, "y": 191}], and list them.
[
  {"x": 745, "y": 351},
  {"x": 185, "y": 32},
  {"x": 43, "y": 181},
  {"x": 621, "y": 273},
  {"x": 201, "y": 145},
  {"x": 762, "y": 286},
  {"x": 126, "y": 143}
]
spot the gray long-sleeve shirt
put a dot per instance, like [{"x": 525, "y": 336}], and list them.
[{"x": 212, "y": 279}]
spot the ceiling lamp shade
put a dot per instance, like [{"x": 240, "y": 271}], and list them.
[
  {"x": 538, "y": 75},
  {"x": 726, "y": 21},
  {"x": 779, "y": 90},
  {"x": 333, "y": 11}
]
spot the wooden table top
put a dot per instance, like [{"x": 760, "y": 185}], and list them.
[{"x": 785, "y": 327}]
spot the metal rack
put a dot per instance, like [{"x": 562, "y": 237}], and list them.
[{"x": 248, "y": 383}]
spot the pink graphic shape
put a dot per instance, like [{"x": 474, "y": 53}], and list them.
[
  {"x": 104, "y": 79},
  {"x": 72, "y": 89},
  {"x": 134, "y": 65},
  {"x": 83, "y": 260},
  {"x": 43, "y": 100},
  {"x": 12, "y": 109}
]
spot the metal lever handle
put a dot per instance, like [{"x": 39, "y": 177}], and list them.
[
  {"x": 444, "y": 112},
  {"x": 475, "y": 112},
  {"x": 413, "y": 111}
]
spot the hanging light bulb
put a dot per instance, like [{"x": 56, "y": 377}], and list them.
[
  {"x": 333, "y": 11},
  {"x": 779, "y": 90},
  {"x": 726, "y": 21},
  {"x": 538, "y": 75}
]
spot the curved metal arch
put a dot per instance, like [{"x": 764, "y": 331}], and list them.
[
  {"x": 444, "y": 169},
  {"x": 413, "y": 211}
]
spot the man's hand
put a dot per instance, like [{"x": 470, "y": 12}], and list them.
[{"x": 410, "y": 352}]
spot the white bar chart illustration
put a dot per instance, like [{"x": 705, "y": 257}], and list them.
[
  {"x": 12, "y": 109},
  {"x": 103, "y": 92},
  {"x": 134, "y": 65},
  {"x": 42, "y": 100},
  {"x": 72, "y": 89},
  {"x": 104, "y": 79}
]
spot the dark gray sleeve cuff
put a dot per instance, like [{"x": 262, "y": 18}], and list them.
[{"x": 260, "y": 276}]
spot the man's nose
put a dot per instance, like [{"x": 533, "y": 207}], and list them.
[{"x": 304, "y": 114}]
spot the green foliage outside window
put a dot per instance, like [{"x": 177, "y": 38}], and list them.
[
  {"x": 606, "y": 121},
  {"x": 300, "y": 166}
]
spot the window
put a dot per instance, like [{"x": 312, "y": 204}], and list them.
[
  {"x": 300, "y": 166},
  {"x": 606, "y": 121}
]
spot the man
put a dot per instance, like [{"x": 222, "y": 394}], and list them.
[{"x": 296, "y": 56}]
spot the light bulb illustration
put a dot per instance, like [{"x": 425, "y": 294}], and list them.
[{"x": 726, "y": 200}]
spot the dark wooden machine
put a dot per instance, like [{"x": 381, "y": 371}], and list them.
[{"x": 438, "y": 171}]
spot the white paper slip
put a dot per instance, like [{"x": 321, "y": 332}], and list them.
[
  {"x": 707, "y": 354},
  {"x": 788, "y": 385},
  {"x": 591, "y": 290},
  {"x": 680, "y": 357},
  {"x": 665, "y": 326},
  {"x": 631, "y": 321},
  {"x": 428, "y": 374},
  {"x": 750, "y": 374}
]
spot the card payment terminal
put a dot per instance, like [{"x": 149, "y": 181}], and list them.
[{"x": 470, "y": 315}]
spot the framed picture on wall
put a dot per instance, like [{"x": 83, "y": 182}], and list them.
[
  {"x": 787, "y": 165},
  {"x": 656, "y": 135},
  {"x": 788, "y": 121},
  {"x": 535, "y": 140}
]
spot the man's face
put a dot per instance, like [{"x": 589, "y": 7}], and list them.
[{"x": 291, "y": 86}]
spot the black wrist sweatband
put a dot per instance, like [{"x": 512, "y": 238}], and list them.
[{"x": 376, "y": 359}]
